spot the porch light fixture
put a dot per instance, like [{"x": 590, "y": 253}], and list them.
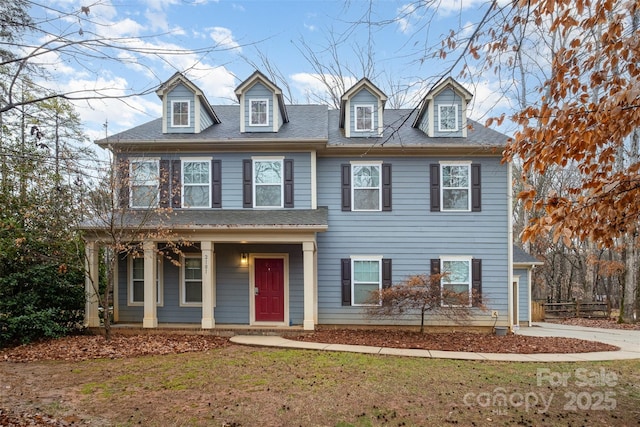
[{"x": 244, "y": 258}]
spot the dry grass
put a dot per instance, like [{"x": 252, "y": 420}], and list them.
[{"x": 243, "y": 386}]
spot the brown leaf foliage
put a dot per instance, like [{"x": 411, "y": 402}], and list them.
[{"x": 590, "y": 110}]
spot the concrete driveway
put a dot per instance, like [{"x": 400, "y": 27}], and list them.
[{"x": 627, "y": 340}]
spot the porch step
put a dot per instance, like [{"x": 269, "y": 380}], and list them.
[{"x": 196, "y": 329}]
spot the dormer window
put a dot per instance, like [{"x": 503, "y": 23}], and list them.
[
  {"x": 259, "y": 112},
  {"x": 448, "y": 118},
  {"x": 364, "y": 118},
  {"x": 180, "y": 113}
]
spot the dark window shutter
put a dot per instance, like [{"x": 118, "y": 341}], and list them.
[
  {"x": 435, "y": 187},
  {"x": 386, "y": 186},
  {"x": 435, "y": 266},
  {"x": 435, "y": 269},
  {"x": 476, "y": 281},
  {"x": 476, "y": 194},
  {"x": 247, "y": 183},
  {"x": 386, "y": 273},
  {"x": 176, "y": 183},
  {"x": 346, "y": 187},
  {"x": 288, "y": 183},
  {"x": 123, "y": 173},
  {"x": 345, "y": 269},
  {"x": 216, "y": 183},
  {"x": 165, "y": 186}
]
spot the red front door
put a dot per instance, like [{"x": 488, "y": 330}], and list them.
[{"x": 269, "y": 289}]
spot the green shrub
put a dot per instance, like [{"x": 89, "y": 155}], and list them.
[{"x": 40, "y": 301}]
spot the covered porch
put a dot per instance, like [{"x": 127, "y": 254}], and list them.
[{"x": 241, "y": 275}]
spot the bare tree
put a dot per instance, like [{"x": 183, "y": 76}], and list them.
[
  {"x": 120, "y": 231},
  {"x": 29, "y": 46},
  {"x": 421, "y": 294}
]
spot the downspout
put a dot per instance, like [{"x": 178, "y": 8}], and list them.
[{"x": 510, "y": 245}]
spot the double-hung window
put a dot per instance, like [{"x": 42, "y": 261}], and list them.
[
  {"x": 447, "y": 118},
  {"x": 366, "y": 194},
  {"x": 180, "y": 116},
  {"x": 144, "y": 178},
  {"x": 366, "y": 280},
  {"x": 136, "y": 280},
  {"x": 267, "y": 182},
  {"x": 455, "y": 191},
  {"x": 364, "y": 118},
  {"x": 259, "y": 112},
  {"x": 196, "y": 183},
  {"x": 192, "y": 280},
  {"x": 456, "y": 281}
]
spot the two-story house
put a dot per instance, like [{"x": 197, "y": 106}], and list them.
[{"x": 294, "y": 213}]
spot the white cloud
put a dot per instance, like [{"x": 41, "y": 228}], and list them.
[
  {"x": 406, "y": 15},
  {"x": 124, "y": 28},
  {"x": 217, "y": 83},
  {"x": 311, "y": 87},
  {"x": 224, "y": 38}
]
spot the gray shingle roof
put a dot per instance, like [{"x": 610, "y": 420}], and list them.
[
  {"x": 316, "y": 123},
  {"x": 399, "y": 133},
  {"x": 521, "y": 257},
  {"x": 273, "y": 219},
  {"x": 306, "y": 122}
]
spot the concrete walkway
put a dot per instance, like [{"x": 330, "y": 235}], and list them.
[{"x": 628, "y": 341}]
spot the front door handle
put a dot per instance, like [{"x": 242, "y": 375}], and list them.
[{"x": 256, "y": 291}]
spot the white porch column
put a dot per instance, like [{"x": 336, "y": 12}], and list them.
[
  {"x": 308, "y": 251},
  {"x": 91, "y": 316},
  {"x": 150, "y": 319},
  {"x": 208, "y": 284}
]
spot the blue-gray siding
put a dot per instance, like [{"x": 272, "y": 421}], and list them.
[
  {"x": 410, "y": 234},
  {"x": 447, "y": 97},
  {"x": 180, "y": 93},
  {"x": 523, "y": 288},
  {"x": 232, "y": 288},
  {"x": 258, "y": 91},
  {"x": 363, "y": 97},
  {"x": 231, "y": 164}
]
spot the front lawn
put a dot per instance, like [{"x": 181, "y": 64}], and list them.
[{"x": 244, "y": 386}]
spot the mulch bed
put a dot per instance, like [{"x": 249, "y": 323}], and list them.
[{"x": 455, "y": 341}]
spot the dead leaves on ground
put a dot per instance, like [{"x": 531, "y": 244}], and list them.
[{"x": 85, "y": 347}]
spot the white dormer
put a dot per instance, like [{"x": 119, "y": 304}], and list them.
[
  {"x": 362, "y": 110},
  {"x": 262, "y": 106},
  {"x": 443, "y": 111},
  {"x": 185, "y": 109}
]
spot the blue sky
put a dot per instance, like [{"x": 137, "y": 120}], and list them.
[{"x": 219, "y": 41}]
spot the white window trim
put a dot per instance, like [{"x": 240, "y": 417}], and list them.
[
  {"x": 184, "y": 160},
  {"x": 456, "y": 125},
  {"x": 442, "y": 187},
  {"x": 183, "y": 290},
  {"x": 157, "y": 180},
  {"x": 353, "y": 187},
  {"x": 378, "y": 259},
  {"x": 251, "y": 101},
  {"x": 159, "y": 283},
  {"x": 468, "y": 259},
  {"x": 356, "y": 116},
  {"x": 254, "y": 185},
  {"x": 180, "y": 101}
]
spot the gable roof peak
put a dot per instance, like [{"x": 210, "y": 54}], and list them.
[
  {"x": 364, "y": 83},
  {"x": 179, "y": 78},
  {"x": 454, "y": 85},
  {"x": 448, "y": 82},
  {"x": 255, "y": 77}
]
